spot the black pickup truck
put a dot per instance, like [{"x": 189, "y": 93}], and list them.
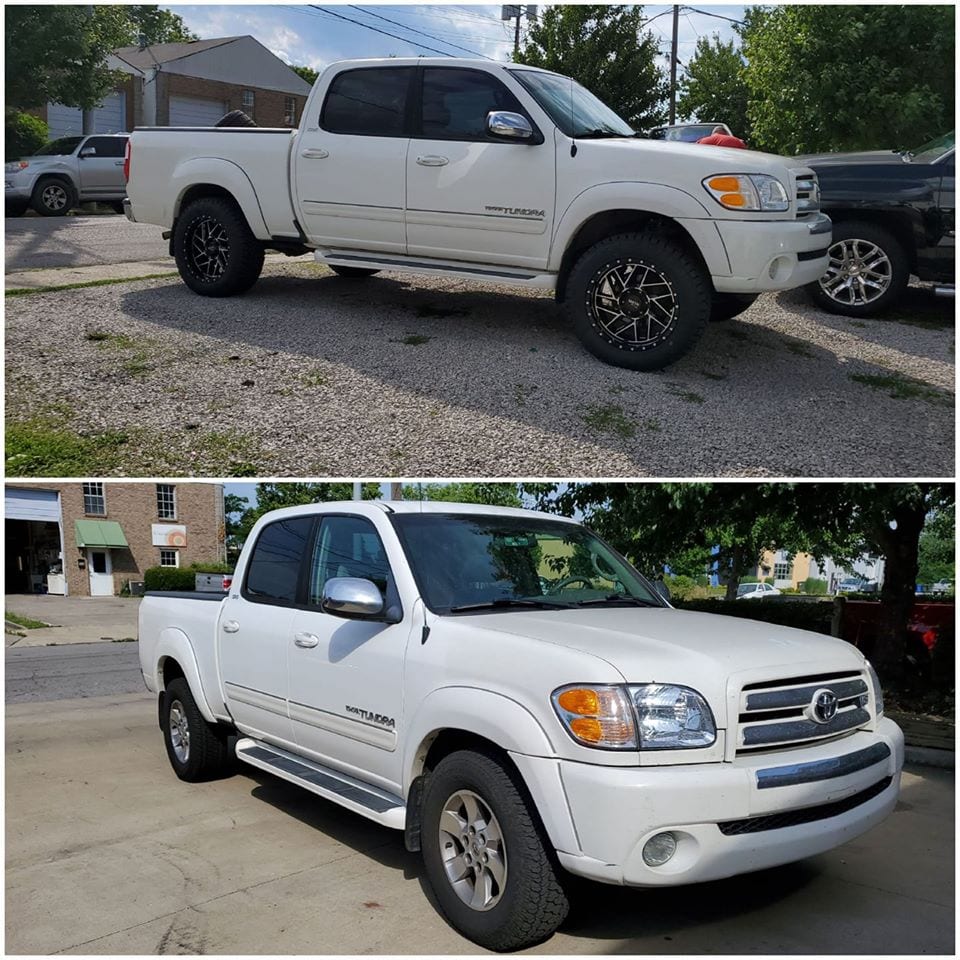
[{"x": 893, "y": 216}]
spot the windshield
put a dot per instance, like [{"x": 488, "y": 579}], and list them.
[
  {"x": 745, "y": 588},
  {"x": 929, "y": 152},
  {"x": 575, "y": 110},
  {"x": 466, "y": 561},
  {"x": 59, "y": 148},
  {"x": 692, "y": 133}
]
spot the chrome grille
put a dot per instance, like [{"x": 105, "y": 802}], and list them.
[
  {"x": 807, "y": 192},
  {"x": 777, "y": 713}
]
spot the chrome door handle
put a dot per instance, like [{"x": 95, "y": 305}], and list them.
[
  {"x": 317, "y": 153},
  {"x": 118, "y": 163},
  {"x": 432, "y": 161},
  {"x": 231, "y": 626},
  {"x": 306, "y": 640}
]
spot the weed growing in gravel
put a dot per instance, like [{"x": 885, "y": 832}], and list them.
[
  {"x": 138, "y": 364},
  {"x": 903, "y": 388},
  {"x": 610, "y": 420},
  {"x": 522, "y": 394},
  {"x": 105, "y": 340},
  {"x": 314, "y": 380},
  {"x": 36, "y": 448},
  {"x": 227, "y": 450},
  {"x": 688, "y": 395},
  {"x": 25, "y": 291},
  {"x": 415, "y": 340},
  {"x": 800, "y": 349},
  {"x": 652, "y": 426}
]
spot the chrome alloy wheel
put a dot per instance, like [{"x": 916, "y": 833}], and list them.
[
  {"x": 54, "y": 196},
  {"x": 208, "y": 249},
  {"x": 632, "y": 304},
  {"x": 179, "y": 731},
  {"x": 473, "y": 850},
  {"x": 859, "y": 272}
]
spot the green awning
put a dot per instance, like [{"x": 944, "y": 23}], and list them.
[{"x": 100, "y": 533}]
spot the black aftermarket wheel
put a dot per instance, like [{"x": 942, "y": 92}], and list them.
[
  {"x": 216, "y": 253},
  {"x": 638, "y": 300}
]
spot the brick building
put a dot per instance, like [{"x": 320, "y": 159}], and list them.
[
  {"x": 91, "y": 539},
  {"x": 191, "y": 84}
]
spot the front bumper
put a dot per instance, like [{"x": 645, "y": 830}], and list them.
[
  {"x": 767, "y": 805},
  {"x": 18, "y": 191},
  {"x": 773, "y": 255}
]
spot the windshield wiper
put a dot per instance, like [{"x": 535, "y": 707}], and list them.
[
  {"x": 509, "y": 602},
  {"x": 600, "y": 135},
  {"x": 612, "y": 598}
]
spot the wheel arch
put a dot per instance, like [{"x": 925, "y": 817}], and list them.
[
  {"x": 905, "y": 226},
  {"x": 211, "y": 177},
  {"x": 174, "y": 657}
]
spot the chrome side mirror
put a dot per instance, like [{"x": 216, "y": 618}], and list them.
[
  {"x": 88, "y": 152},
  {"x": 351, "y": 598},
  {"x": 511, "y": 126}
]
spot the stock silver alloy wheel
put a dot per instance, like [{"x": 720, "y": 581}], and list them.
[
  {"x": 54, "y": 196},
  {"x": 473, "y": 850},
  {"x": 859, "y": 272},
  {"x": 208, "y": 249},
  {"x": 632, "y": 304},
  {"x": 179, "y": 731}
]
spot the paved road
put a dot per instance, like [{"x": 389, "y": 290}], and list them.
[
  {"x": 73, "y": 619},
  {"x": 74, "y": 670},
  {"x": 43, "y": 242},
  {"x": 108, "y": 853}
]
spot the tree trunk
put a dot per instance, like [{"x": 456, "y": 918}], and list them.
[{"x": 737, "y": 556}]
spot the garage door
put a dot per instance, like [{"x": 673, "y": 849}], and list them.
[
  {"x": 194, "y": 112},
  {"x": 22, "y": 503},
  {"x": 109, "y": 117}
]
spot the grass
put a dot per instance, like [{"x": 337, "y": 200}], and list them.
[
  {"x": 116, "y": 341},
  {"x": 415, "y": 340},
  {"x": 689, "y": 396},
  {"x": 610, "y": 420},
  {"x": 800, "y": 349},
  {"x": 38, "y": 448},
  {"x": 314, "y": 380},
  {"x": 27, "y": 623},
  {"x": 26, "y": 291},
  {"x": 902, "y": 388}
]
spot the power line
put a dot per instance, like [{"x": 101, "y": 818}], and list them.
[
  {"x": 422, "y": 33},
  {"x": 370, "y": 26},
  {"x": 719, "y": 16}
]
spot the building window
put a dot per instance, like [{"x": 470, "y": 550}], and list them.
[
  {"x": 289, "y": 112},
  {"x": 781, "y": 571},
  {"x": 94, "y": 501},
  {"x": 166, "y": 501},
  {"x": 169, "y": 558},
  {"x": 248, "y": 100}
]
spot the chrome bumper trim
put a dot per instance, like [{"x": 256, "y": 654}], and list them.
[{"x": 822, "y": 769}]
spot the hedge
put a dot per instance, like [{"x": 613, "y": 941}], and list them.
[
  {"x": 24, "y": 135},
  {"x": 180, "y": 578},
  {"x": 803, "y": 614}
]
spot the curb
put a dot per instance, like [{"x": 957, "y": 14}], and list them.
[{"x": 930, "y": 757}]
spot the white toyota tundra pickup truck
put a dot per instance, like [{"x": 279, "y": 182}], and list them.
[
  {"x": 489, "y": 171},
  {"x": 508, "y": 691}
]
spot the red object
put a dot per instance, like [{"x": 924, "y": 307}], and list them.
[
  {"x": 126, "y": 162},
  {"x": 930, "y": 639},
  {"x": 723, "y": 140},
  {"x": 227, "y": 582}
]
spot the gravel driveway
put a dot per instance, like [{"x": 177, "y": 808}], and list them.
[{"x": 314, "y": 375}]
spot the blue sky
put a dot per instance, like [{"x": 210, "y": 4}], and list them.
[{"x": 301, "y": 34}]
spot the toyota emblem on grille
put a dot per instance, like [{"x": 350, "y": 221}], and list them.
[{"x": 824, "y": 706}]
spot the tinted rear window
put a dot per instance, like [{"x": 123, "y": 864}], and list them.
[
  {"x": 274, "y": 568},
  {"x": 370, "y": 103}
]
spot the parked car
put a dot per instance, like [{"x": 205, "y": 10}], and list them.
[
  {"x": 686, "y": 132},
  {"x": 856, "y": 585},
  {"x": 756, "y": 591},
  {"x": 488, "y": 171},
  {"x": 893, "y": 215},
  {"x": 406, "y": 661},
  {"x": 67, "y": 172}
]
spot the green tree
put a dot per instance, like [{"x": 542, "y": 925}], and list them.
[
  {"x": 605, "y": 49},
  {"x": 713, "y": 86},
  {"x": 493, "y": 494},
  {"x": 152, "y": 24},
  {"x": 24, "y": 135},
  {"x": 936, "y": 559},
  {"x": 823, "y": 77},
  {"x": 305, "y": 73}
]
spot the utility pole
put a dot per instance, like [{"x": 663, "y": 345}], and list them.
[
  {"x": 673, "y": 64},
  {"x": 514, "y": 11}
]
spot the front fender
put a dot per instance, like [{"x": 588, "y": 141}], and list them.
[
  {"x": 175, "y": 644},
  {"x": 221, "y": 173},
  {"x": 643, "y": 197}
]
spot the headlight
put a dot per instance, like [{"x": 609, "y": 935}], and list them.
[
  {"x": 652, "y": 716},
  {"x": 877, "y": 690},
  {"x": 748, "y": 191},
  {"x": 15, "y": 166}
]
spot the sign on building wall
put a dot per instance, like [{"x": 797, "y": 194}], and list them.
[{"x": 169, "y": 535}]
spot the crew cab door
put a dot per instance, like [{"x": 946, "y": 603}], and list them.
[
  {"x": 470, "y": 195},
  {"x": 255, "y": 632},
  {"x": 350, "y": 161},
  {"x": 100, "y": 162},
  {"x": 346, "y": 676}
]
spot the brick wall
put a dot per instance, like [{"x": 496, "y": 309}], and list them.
[
  {"x": 268, "y": 106},
  {"x": 134, "y": 507}
]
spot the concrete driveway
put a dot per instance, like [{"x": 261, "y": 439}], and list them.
[
  {"x": 108, "y": 853},
  {"x": 73, "y": 619}
]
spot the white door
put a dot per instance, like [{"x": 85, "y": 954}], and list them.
[
  {"x": 471, "y": 196},
  {"x": 195, "y": 112},
  {"x": 346, "y": 676},
  {"x": 109, "y": 117},
  {"x": 100, "y": 567},
  {"x": 350, "y": 163}
]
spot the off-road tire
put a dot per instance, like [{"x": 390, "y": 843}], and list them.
[
  {"x": 533, "y": 903},
  {"x": 209, "y": 755},
  {"x": 51, "y": 189},
  {"x": 899, "y": 273},
  {"x": 242, "y": 258},
  {"x": 686, "y": 279},
  {"x": 726, "y": 306},
  {"x": 353, "y": 273}
]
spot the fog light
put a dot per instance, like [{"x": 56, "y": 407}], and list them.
[{"x": 659, "y": 849}]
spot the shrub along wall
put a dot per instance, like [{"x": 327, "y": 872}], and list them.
[
  {"x": 180, "y": 578},
  {"x": 803, "y": 614}
]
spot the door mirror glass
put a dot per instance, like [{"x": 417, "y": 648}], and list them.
[
  {"x": 88, "y": 152},
  {"x": 511, "y": 126},
  {"x": 351, "y": 597}
]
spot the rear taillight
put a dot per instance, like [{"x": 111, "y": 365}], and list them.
[
  {"x": 227, "y": 581},
  {"x": 126, "y": 162}
]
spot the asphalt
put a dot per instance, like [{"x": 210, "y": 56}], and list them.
[
  {"x": 108, "y": 853},
  {"x": 71, "y": 619}
]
